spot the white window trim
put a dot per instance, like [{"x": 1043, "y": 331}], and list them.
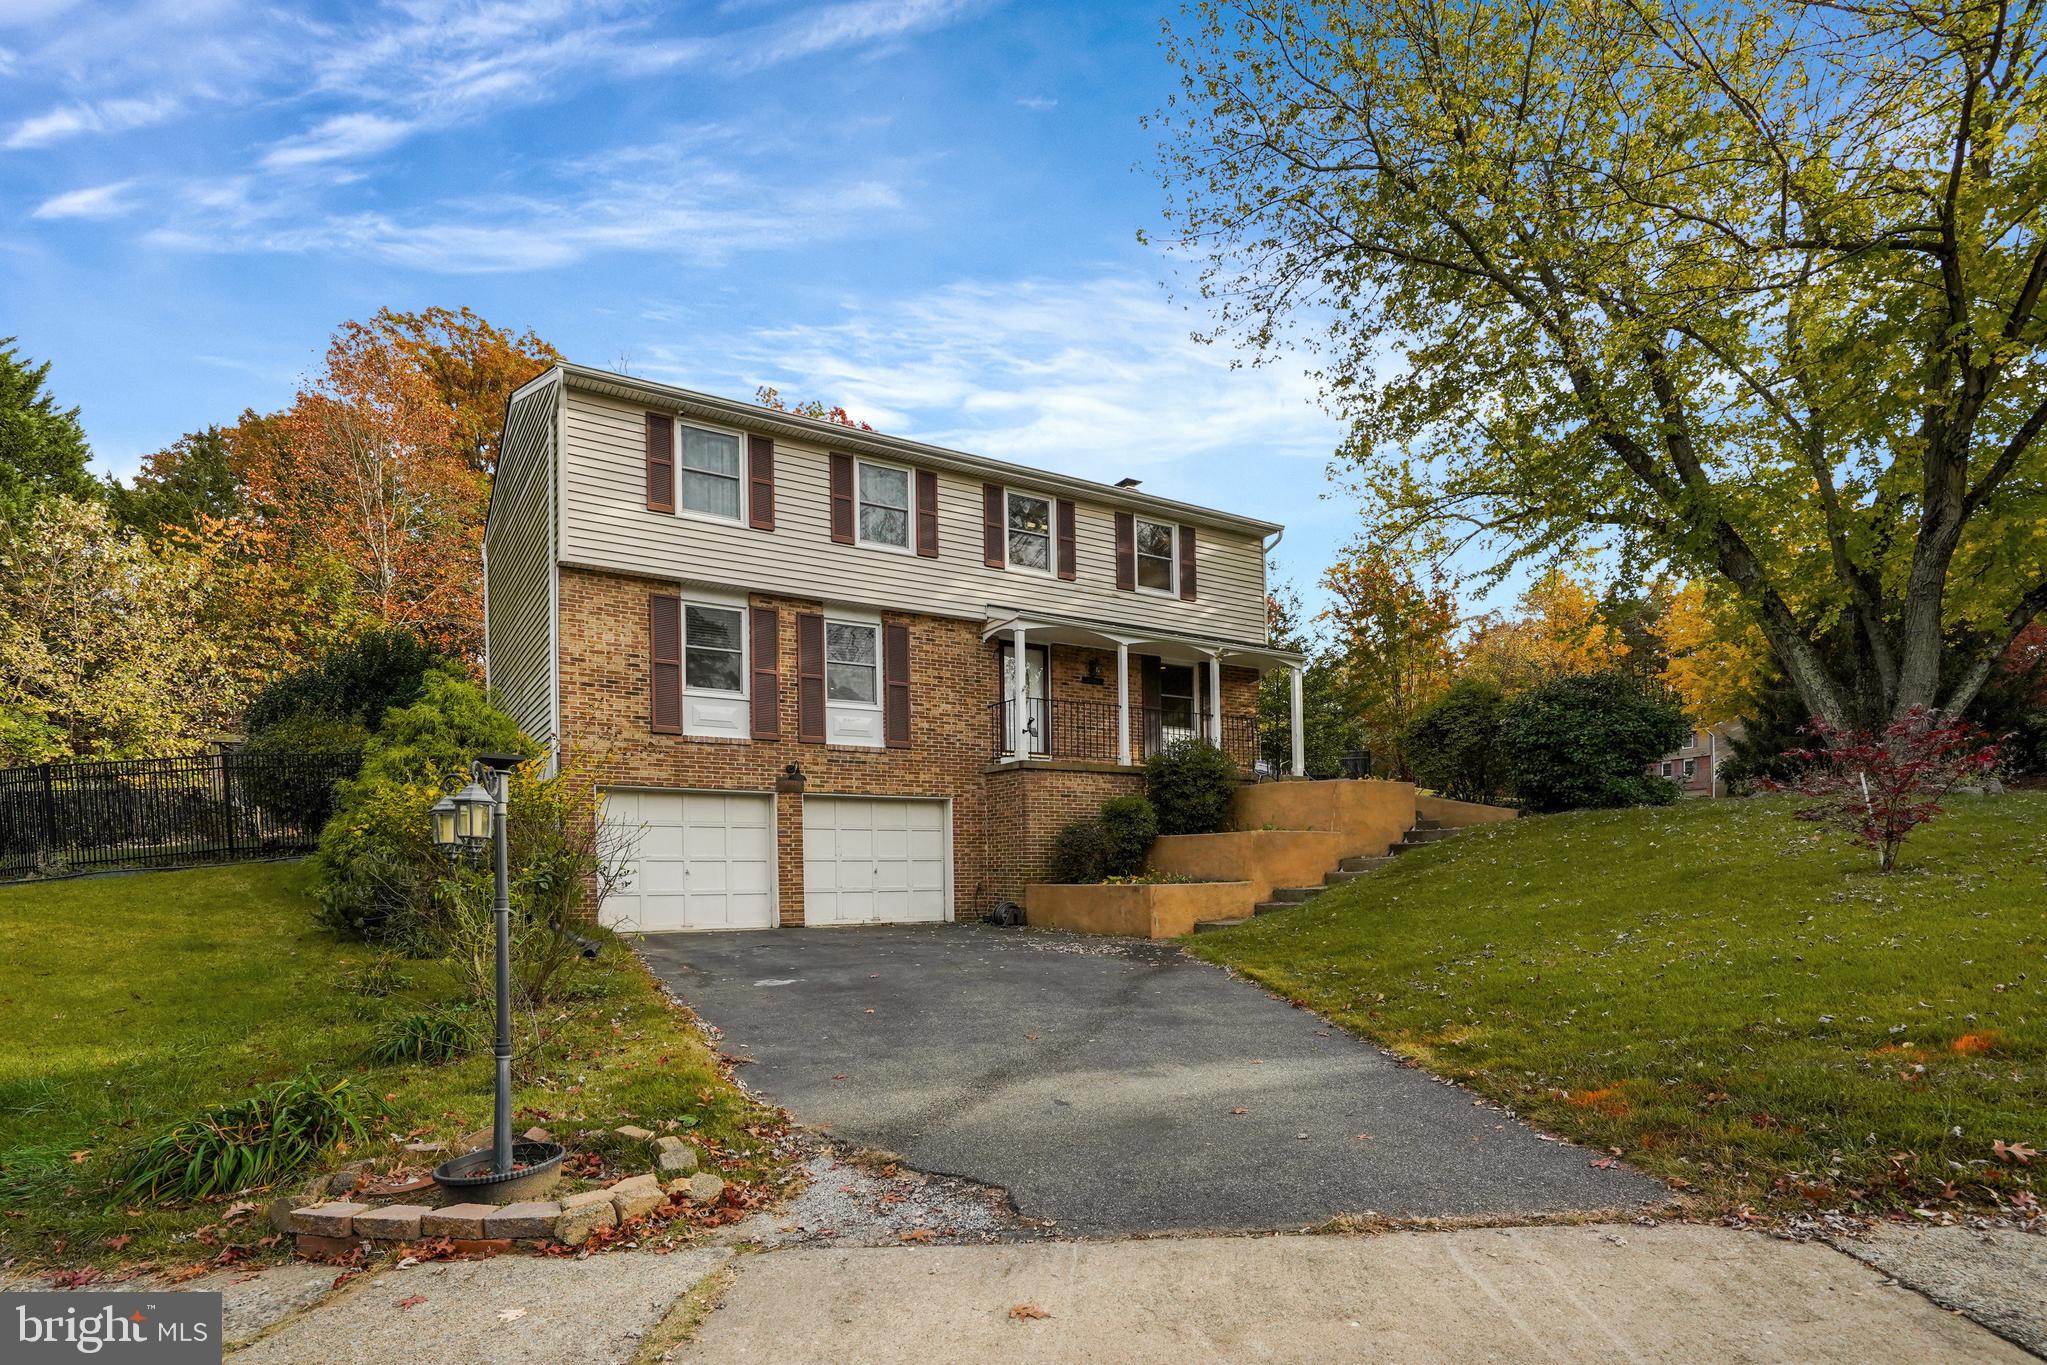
[
  {"x": 1666, "y": 769},
  {"x": 738, "y": 604},
  {"x": 1172, "y": 588},
  {"x": 1051, "y": 569},
  {"x": 681, "y": 510},
  {"x": 1691, "y": 768},
  {"x": 909, "y": 545},
  {"x": 866, "y": 622}
]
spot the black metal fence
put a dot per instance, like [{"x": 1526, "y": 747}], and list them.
[{"x": 59, "y": 818}]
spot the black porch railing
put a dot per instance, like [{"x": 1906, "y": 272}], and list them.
[
  {"x": 58, "y": 818},
  {"x": 1059, "y": 728}
]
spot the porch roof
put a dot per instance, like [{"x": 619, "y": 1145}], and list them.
[{"x": 1048, "y": 628}]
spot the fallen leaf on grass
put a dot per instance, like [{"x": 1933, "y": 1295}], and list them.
[
  {"x": 80, "y": 1158},
  {"x": 239, "y": 1209},
  {"x": 2014, "y": 1151},
  {"x": 116, "y": 1243},
  {"x": 1024, "y": 1312}
]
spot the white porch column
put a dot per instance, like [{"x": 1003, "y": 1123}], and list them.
[
  {"x": 1215, "y": 700},
  {"x": 1122, "y": 703},
  {"x": 1019, "y": 696},
  {"x": 1299, "y": 763}
]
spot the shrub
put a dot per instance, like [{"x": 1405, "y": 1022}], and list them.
[
  {"x": 254, "y": 1140},
  {"x": 430, "y": 1036},
  {"x": 1454, "y": 746},
  {"x": 377, "y": 978},
  {"x": 1129, "y": 824},
  {"x": 379, "y": 669},
  {"x": 1080, "y": 852},
  {"x": 379, "y": 870},
  {"x": 1191, "y": 784},
  {"x": 1881, "y": 787},
  {"x": 1587, "y": 741}
]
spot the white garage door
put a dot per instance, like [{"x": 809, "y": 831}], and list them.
[
  {"x": 700, "y": 860},
  {"x": 867, "y": 860}
]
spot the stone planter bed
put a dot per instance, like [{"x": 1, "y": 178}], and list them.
[
  {"x": 1135, "y": 909},
  {"x": 335, "y": 1226}
]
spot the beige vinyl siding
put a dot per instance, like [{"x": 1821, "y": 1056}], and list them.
[
  {"x": 519, "y": 610},
  {"x": 605, "y": 524}
]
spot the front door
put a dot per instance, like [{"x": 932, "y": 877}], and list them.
[{"x": 1037, "y": 711}]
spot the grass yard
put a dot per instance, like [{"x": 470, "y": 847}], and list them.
[
  {"x": 1725, "y": 996},
  {"x": 131, "y": 1001}
]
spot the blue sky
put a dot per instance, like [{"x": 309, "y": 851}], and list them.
[{"x": 923, "y": 209}]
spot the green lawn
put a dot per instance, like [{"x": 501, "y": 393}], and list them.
[
  {"x": 1729, "y": 998},
  {"x": 130, "y": 1001}
]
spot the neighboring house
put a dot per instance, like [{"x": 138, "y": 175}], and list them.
[
  {"x": 792, "y": 648},
  {"x": 1696, "y": 767}
]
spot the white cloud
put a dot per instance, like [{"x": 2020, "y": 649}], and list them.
[
  {"x": 97, "y": 202},
  {"x": 1064, "y": 374},
  {"x": 106, "y": 116},
  {"x": 345, "y": 137},
  {"x": 844, "y": 26},
  {"x": 1037, "y": 104}
]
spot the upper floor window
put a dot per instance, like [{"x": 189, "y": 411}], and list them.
[
  {"x": 713, "y": 640},
  {"x": 1030, "y": 531},
  {"x": 710, "y": 472},
  {"x": 1155, "y": 555},
  {"x": 884, "y": 505},
  {"x": 852, "y": 664}
]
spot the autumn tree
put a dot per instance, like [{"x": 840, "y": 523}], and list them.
[
  {"x": 1393, "y": 628},
  {"x": 472, "y": 366},
  {"x": 1559, "y": 630},
  {"x": 1718, "y": 661},
  {"x": 1754, "y": 290},
  {"x": 101, "y": 654},
  {"x": 43, "y": 452},
  {"x": 187, "y": 482}
]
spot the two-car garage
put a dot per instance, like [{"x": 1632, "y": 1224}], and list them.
[{"x": 706, "y": 860}]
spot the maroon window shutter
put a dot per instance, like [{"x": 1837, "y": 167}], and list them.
[
  {"x": 994, "y": 539},
  {"x": 1069, "y": 556},
  {"x": 842, "y": 498},
  {"x": 895, "y": 673},
  {"x": 660, "y": 462},
  {"x": 1126, "y": 552},
  {"x": 927, "y": 514},
  {"x": 766, "y": 645},
  {"x": 760, "y": 482},
  {"x": 664, "y": 635},
  {"x": 1187, "y": 563},
  {"x": 809, "y": 677}
]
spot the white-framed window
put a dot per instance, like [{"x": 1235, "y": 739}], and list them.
[
  {"x": 1156, "y": 559},
  {"x": 1691, "y": 768},
  {"x": 712, "y": 471},
  {"x": 713, "y": 648},
  {"x": 1666, "y": 767},
  {"x": 882, "y": 492},
  {"x": 852, "y": 663},
  {"x": 1029, "y": 519}
]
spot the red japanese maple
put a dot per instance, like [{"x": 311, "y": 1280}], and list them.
[{"x": 1879, "y": 787}]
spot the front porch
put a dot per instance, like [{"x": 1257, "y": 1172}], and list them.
[{"x": 1090, "y": 693}]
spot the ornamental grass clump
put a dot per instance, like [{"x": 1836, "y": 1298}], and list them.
[
  {"x": 251, "y": 1141},
  {"x": 431, "y": 1036}
]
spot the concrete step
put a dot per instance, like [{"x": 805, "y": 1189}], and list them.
[
  {"x": 1274, "y": 907},
  {"x": 1209, "y": 926},
  {"x": 1363, "y": 864},
  {"x": 1420, "y": 823},
  {"x": 1419, "y": 835},
  {"x": 1296, "y": 894},
  {"x": 1339, "y": 877}
]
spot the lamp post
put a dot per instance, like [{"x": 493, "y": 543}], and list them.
[{"x": 463, "y": 826}]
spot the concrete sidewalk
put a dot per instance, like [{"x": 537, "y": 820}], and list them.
[{"x": 1576, "y": 1294}]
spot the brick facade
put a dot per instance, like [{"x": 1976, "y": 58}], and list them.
[{"x": 1003, "y": 818}]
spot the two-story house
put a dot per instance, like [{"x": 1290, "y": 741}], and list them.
[{"x": 837, "y": 677}]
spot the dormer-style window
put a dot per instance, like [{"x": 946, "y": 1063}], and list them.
[
  {"x": 1030, "y": 532},
  {"x": 1155, "y": 549}
]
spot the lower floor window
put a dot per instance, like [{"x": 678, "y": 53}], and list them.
[
  {"x": 712, "y": 638},
  {"x": 851, "y": 652}
]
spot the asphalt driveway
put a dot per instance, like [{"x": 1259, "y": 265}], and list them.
[{"x": 1112, "y": 1087}]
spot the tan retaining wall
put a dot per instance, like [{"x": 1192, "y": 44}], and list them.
[
  {"x": 1261, "y": 858},
  {"x": 1158, "y": 910}
]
